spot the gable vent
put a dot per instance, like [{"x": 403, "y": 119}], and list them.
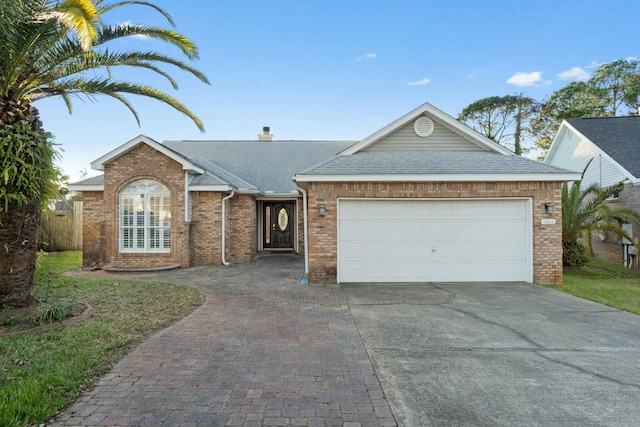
[{"x": 423, "y": 126}]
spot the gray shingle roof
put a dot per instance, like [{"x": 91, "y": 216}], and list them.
[
  {"x": 619, "y": 137},
  {"x": 94, "y": 180},
  {"x": 267, "y": 165},
  {"x": 430, "y": 162},
  {"x": 216, "y": 175}
]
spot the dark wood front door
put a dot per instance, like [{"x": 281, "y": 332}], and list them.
[{"x": 279, "y": 222}]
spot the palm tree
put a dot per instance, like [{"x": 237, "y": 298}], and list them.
[
  {"x": 59, "y": 48},
  {"x": 585, "y": 211}
]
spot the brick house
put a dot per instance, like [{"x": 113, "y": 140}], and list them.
[
  {"x": 423, "y": 199},
  {"x": 609, "y": 145}
]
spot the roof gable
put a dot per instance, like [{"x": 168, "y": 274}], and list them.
[
  {"x": 616, "y": 139},
  {"x": 187, "y": 165},
  {"x": 448, "y": 134}
]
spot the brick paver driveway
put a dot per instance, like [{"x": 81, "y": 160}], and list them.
[{"x": 262, "y": 350}]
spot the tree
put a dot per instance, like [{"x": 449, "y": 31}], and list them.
[
  {"x": 585, "y": 211},
  {"x": 59, "y": 48},
  {"x": 576, "y": 100},
  {"x": 617, "y": 85},
  {"x": 503, "y": 119},
  {"x": 612, "y": 87}
]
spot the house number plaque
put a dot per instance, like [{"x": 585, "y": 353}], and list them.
[{"x": 547, "y": 221}]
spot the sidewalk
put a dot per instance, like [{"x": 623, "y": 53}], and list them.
[{"x": 261, "y": 351}]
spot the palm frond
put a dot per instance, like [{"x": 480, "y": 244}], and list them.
[
  {"x": 180, "y": 41},
  {"x": 47, "y": 46},
  {"x": 79, "y": 16},
  {"x": 97, "y": 86},
  {"x": 112, "y": 6}
]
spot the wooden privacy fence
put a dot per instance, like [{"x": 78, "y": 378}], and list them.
[{"x": 61, "y": 230}]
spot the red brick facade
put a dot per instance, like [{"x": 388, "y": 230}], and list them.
[
  {"x": 547, "y": 239},
  {"x": 199, "y": 242},
  {"x": 93, "y": 244},
  {"x": 194, "y": 243},
  {"x": 242, "y": 228}
]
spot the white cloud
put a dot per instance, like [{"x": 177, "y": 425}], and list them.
[
  {"x": 474, "y": 73},
  {"x": 574, "y": 74},
  {"x": 368, "y": 57},
  {"x": 421, "y": 82},
  {"x": 525, "y": 79}
]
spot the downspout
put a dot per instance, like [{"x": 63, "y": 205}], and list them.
[
  {"x": 306, "y": 228},
  {"x": 224, "y": 227}
]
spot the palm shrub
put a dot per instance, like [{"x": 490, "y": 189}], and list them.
[
  {"x": 60, "y": 48},
  {"x": 585, "y": 211}
]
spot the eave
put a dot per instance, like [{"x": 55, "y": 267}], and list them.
[{"x": 439, "y": 178}]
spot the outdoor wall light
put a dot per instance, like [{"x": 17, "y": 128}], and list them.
[
  {"x": 548, "y": 208},
  {"x": 322, "y": 210}
]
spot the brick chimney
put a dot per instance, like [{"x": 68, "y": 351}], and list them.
[{"x": 265, "y": 135}]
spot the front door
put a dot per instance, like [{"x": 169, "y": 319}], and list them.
[{"x": 279, "y": 221}]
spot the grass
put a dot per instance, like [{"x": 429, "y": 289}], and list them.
[
  {"x": 41, "y": 373},
  {"x": 608, "y": 284}
]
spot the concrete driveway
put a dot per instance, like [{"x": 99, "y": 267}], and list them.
[{"x": 499, "y": 355}]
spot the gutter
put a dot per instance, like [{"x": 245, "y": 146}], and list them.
[
  {"x": 306, "y": 229},
  {"x": 224, "y": 228}
]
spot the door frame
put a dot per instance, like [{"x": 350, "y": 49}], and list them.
[{"x": 295, "y": 220}]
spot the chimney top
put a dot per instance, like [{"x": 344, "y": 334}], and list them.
[{"x": 265, "y": 135}]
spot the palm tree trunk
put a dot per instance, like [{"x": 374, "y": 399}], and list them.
[
  {"x": 18, "y": 245},
  {"x": 20, "y": 141}
]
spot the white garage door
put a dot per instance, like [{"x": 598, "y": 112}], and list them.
[{"x": 434, "y": 240}]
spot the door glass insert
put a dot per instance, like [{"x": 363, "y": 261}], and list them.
[
  {"x": 283, "y": 219},
  {"x": 267, "y": 226}
]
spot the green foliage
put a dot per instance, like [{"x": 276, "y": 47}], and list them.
[
  {"x": 27, "y": 171},
  {"x": 611, "y": 87},
  {"x": 50, "y": 48},
  {"x": 585, "y": 211},
  {"x": 614, "y": 89},
  {"x": 8, "y": 318},
  {"x": 66, "y": 49},
  {"x": 617, "y": 85},
  {"x": 503, "y": 119},
  {"x": 54, "y": 312}
]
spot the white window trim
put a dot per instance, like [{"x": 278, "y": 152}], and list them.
[{"x": 148, "y": 189}]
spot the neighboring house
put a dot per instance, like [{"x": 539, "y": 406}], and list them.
[
  {"x": 612, "y": 145},
  {"x": 425, "y": 198}
]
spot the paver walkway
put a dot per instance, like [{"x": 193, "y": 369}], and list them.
[{"x": 262, "y": 350}]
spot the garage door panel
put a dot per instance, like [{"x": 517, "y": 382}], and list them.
[{"x": 433, "y": 240}]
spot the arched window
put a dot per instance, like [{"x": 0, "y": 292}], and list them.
[{"x": 145, "y": 217}]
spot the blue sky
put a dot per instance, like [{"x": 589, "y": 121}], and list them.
[{"x": 343, "y": 69}]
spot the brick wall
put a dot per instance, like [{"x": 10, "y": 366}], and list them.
[
  {"x": 300, "y": 226},
  {"x": 547, "y": 239},
  {"x": 206, "y": 233},
  {"x": 144, "y": 162},
  {"x": 93, "y": 229},
  {"x": 241, "y": 229}
]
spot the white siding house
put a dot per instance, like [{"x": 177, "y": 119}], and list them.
[{"x": 610, "y": 146}]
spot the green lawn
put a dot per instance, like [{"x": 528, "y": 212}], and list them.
[
  {"x": 608, "y": 284},
  {"x": 41, "y": 373}
]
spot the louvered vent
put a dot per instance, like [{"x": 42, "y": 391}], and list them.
[{"x": 423, "y": 126}]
